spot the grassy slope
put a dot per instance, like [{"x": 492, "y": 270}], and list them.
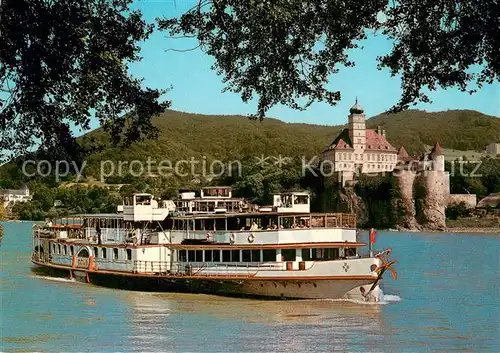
[{"x": 185, "y": 135}]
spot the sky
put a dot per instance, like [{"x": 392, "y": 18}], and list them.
[{"x": 197, "y": 89}]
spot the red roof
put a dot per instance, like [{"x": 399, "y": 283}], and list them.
[
  {"x": 437, "y": 150},
  {"x": 342, "y": 145},
  {"x": 377, "y": 142},
  {"x": 374, "y": 142},
  {"x": 341, "y": 142},
  {"x": 402, "y": 152}
]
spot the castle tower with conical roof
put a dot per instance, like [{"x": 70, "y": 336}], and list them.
[{"x": 437, "y": 157}]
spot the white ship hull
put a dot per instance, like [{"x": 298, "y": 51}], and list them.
[{"x": 286, "y": 288}]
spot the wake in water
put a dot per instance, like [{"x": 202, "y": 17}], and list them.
[
  {"x": 383, "y": 299},
  {"x": 55, "y": 279}
]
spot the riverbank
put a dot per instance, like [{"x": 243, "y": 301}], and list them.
[{"x": 492, "y": 231}]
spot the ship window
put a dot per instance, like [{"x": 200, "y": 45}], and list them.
[
  {"x": 235, "y": 255},
  {"x": 143, "y": 200},
  {"x": 83, "y": 253},
  {"x": 306, "y": 254},
  {"x": 208, "y": 255},
  {"x": 216, "y": 256},
  {"x": 246, "y": 256},
  {"x": 65, "y": 250},
  {"x": 129, "y": 254},
  {"x": 71, "y": 250},
  {"x": 96, "y": 252},
  {"x": 255, "y": 255},
  {"x": 331, "y": 254},
  {"x": 191, "y": 256},
  {"x": 268, "y": 255},
  {"x": 58, "y": 248},
  {"x": 103, "y": 253},
  {"x": 198, "y": 255},
  {"x": 54, "y": 248},
  {"x": 115, "y": 253},
  {"x": 288, "y": 254},
  {"x": 182, "y": 255},
  {"x": 324, "y": 254},
  {"x": 301, "y": 200},
  {"x": 348, "y": 251},
  {"x": 226, "y": 256}
]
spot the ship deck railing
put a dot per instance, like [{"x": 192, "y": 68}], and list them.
[{"x": 208, "y": 269}]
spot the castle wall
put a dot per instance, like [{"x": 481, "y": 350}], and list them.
[
  {"x": 431, "y": 198},
  {"x": 405, "y": 204},
  {"x": 470, "y": 200}
]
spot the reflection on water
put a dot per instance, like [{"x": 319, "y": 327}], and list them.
[
  {"x": 191, "y": 320},
  {"x": 449, "y": 287},
  {"x": 250, "y": 310}
]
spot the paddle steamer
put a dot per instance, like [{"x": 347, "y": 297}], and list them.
[{"x": 215, "y": 243}]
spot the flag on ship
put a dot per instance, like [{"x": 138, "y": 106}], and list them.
[{"x": 373, "y": 234}]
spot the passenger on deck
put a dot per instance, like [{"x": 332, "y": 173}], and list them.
[{"x": 254, "y": 227}]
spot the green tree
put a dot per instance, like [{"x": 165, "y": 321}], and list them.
[
  {"x": 60, "y": 60},
  {"x": 285, "y": 51}
]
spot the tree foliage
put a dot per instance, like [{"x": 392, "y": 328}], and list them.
[
  {"x": 284, "y": 51},
  {"x": 77, "y": 199},
  {"x": 62, "y": 62},
  {"x": 459, "y": 210},
  {"x": 480, "y": 178}
]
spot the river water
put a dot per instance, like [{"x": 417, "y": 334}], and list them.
[{"x": 446, "y": 299}]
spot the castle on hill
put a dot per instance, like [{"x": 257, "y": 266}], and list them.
[
  {"x": 424, "y": 185},
  {"x": 358, "y": 150}
]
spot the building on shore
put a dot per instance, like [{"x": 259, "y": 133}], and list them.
[
  {"x": 423, "y": 183},
  {"x": 490, "y": 201},
  {"x": 12, "y": 195},
  {"x": 358, "y": 150},
  {"x": 493, "y": 148}
]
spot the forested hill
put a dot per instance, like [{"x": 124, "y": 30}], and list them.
[
  {"x": 184, "y": 135},
  {"x": 454, "y": 129}
]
